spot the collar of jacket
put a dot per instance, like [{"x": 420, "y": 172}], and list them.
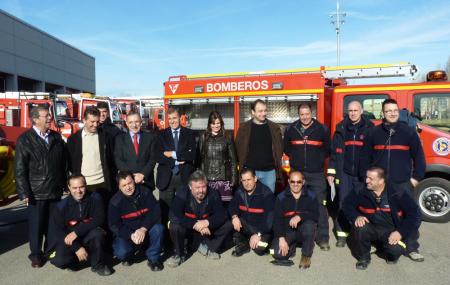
[
  {"x": 258, "y": 190},
  {"x": 303, "y": 193},
  {"x": 86, "y": 197}
]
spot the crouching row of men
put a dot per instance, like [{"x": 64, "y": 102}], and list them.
[{"x": 379, "y": 215}]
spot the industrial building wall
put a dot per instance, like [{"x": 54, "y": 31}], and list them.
[{"x": 30, "y": 58}]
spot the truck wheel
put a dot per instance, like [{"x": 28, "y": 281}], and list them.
[{"x": 433, "y": 197}]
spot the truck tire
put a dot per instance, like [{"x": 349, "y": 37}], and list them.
[{"x": 433, "y": 197}]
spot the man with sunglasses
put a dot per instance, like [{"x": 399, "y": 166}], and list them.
[
  {"x": 295, "y": 220},
  {"x": 396, "y": 147}
]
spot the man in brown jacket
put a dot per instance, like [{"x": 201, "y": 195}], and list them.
[{"x": 259, "y": 145}]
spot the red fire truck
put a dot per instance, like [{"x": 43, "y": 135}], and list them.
[{"x": 328, "y": 91}]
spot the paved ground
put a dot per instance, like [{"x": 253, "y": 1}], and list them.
[{"x": 333, "y": 267}]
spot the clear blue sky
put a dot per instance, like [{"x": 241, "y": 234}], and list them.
[{"x": 139, "y": 44}]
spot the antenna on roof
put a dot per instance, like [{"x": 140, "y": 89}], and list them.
[{"x": 337, "y": 19}]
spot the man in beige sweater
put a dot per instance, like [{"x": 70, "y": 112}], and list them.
[{"x": 91, "y": 155}]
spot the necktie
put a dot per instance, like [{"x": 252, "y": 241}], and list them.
[
  {"x": 136, "y": 144},
  {"x": 175, "y": 139},
  {"x": 176, "y": 168}
]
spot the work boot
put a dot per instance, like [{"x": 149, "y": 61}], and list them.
[
  {"x": 341, "y": 242},
  {"x": 391, "y": 261},
  {"x": 240, "y": 250},
  {"x": 324, "y": 246},
  {"x": 416, "y": 256},
  {"x": 102, "y": 270},
  {"x": 305, "y": 262},
  {"x": 362, "y": 264}
]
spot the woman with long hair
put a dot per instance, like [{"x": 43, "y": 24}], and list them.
[{"x": 218, "y": 157}]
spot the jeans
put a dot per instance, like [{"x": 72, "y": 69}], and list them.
[
  {"x": 268, "y": 178},
  {"x": 124, "y": 248}
]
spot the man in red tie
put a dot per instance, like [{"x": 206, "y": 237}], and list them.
[{"x": 134, "y": 151}]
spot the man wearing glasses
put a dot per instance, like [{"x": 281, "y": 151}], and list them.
[
  {"x": 295, "y": 220},
  {"x": 396, "y": 147}
]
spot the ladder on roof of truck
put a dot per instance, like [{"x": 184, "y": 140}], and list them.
[{"x": 401, "y": 69}]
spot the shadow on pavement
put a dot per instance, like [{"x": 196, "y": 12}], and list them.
[{"x": 13, "y": 228}]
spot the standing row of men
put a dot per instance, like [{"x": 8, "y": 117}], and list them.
[{"x": 42, "y": 160}]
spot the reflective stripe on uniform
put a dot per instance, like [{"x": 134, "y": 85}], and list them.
[
  {"x": 331, "y": 171},
  {"x": 315, "y": 143},
  {"x": 357, "y": 143},
  {"x": 391, "y": 147},
  {"x": 342, "y": 234}
]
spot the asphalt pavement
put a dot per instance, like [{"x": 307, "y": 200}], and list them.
[{"x": 336, "y": 266}]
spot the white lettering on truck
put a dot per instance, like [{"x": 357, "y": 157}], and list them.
[{"x": 237, "y": 86}]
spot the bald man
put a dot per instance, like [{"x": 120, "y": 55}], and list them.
[{"x": 343, "y": 168}]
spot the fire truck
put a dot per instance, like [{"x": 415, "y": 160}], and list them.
[
  {"x": 328, "y": 91},
  {"x": 67, "y": 111}
]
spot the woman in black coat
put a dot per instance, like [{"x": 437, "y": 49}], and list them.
[{"x": 218, "y": 157}]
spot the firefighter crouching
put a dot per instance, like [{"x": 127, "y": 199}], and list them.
[
  {"x": 307, "y": 143},
  {"x": 381, "y": 215},
  {"x": 134, "y": 219},
  {"x": 343, "y": 167},
  {"x": 295, "y": 220},
  {"x": 197, "y": 214},
  {"x": 76, "y": 225},
  {"x": 396, "y": 147},
  {"x": 251, "y": 211}
]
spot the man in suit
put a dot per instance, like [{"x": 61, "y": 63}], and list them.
[
  {"x": 91, "y": 154},
  {"x": 175, "y": 154},
  {"x": 134, "y": 151}
]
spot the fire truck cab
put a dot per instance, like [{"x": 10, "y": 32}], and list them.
[{"x": 327, "y": 91}]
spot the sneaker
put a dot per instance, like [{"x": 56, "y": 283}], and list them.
[
  {"x": 203, "y": 249},
  {"x": 174, "y": 261},
  {"x": 324, "y": 246},
  {"x": 126, "y": 263},
  {"x": 416, "y": 256},
  {"x": 305, "y": 262},
  {"x": 362, "y": 264},
  {"x": 213, "y": 255}
]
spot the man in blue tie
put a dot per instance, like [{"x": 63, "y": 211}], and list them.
[{"x": 175, "y": 154}]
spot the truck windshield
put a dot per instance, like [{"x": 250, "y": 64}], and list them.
[{"x": 434, "y": 109}]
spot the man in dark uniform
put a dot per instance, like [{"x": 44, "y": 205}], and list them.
[
  {"x": 76, "y": 226},
  {"x": 295, "y": 220},
  {"x": 134, "y": 219},
  {"x": 382, "y": 215},
  {"x": 197, "y": 214},
  {"x": 343, "y": 167},
  {"x": 251, "y": 211},
  {"x": 307, "y": 143},
  {"x": 396, "y": 147}
]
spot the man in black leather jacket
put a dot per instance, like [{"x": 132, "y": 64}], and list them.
[{"x": 40, "y": 169}]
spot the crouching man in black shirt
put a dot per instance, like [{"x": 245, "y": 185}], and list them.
[{"x": 76, "y": 226}]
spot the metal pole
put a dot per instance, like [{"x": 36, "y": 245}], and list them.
[{"x": 338, "y": 19}]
